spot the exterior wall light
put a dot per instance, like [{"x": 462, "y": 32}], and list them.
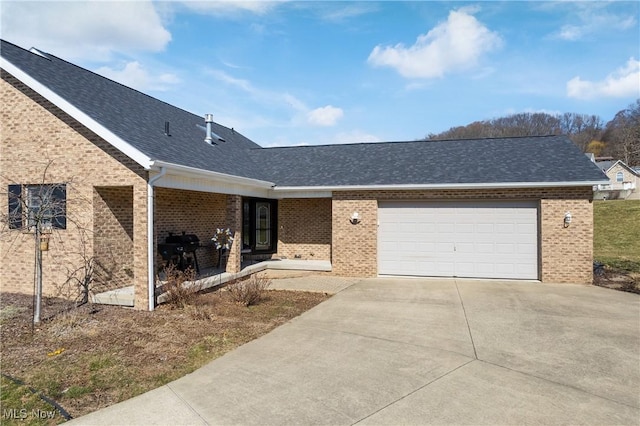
[
  {"x": 355, "y": 218},
  {"x": 567, "y": 219}
]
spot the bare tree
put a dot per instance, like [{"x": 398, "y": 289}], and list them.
[
  {"x": 622, "y": 135},
  {"x": 40, "y": 209},
  {"x": 582, "y": 129}
]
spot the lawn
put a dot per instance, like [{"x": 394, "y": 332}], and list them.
[
  {"x": 616, "y": 244},
  {"x": 616, "y": 240},
  {"x": 87, "y": 358}
]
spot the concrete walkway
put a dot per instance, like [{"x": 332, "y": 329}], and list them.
[{"x": 414, "y": 351}]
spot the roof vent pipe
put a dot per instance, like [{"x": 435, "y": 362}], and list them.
[{"x": 208, "y": 119}]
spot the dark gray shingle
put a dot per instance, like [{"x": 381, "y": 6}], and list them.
[
  {"x": 139, "y": 119},
  {"x": 510, "y": 160}
]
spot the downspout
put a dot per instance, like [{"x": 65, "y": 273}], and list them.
[{"x": 150, "y": 250}]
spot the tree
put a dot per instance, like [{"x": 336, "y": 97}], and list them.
[
  {"x": 622, "y": 135},
  {"x": 596, "y": 147},
  {"x": 41, "y": 210},
  {"x": 580, "y": 128}
]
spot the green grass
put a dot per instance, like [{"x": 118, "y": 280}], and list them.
[
  {"x": 22, "y": 407},
  {"x": 616, "y": 241}
]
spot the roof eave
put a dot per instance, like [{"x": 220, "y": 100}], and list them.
[
  {"x": 207, "y": 174},
  {"x": 491, "y": 185},
  {"x": 123, "y": 146}
]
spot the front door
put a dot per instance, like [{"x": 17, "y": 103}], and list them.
[{"x": 259, "y": 221}]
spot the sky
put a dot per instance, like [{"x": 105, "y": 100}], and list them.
[{"x": 306, "y": 73}]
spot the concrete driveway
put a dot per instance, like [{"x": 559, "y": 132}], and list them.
[{"x": 416, "y": 351}]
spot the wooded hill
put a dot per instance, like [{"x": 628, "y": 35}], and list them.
[{"x": 619, "y": 138}]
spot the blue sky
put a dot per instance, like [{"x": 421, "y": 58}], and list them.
[{"x": 291, "y": 73}]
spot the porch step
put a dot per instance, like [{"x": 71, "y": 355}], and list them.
[
  {"x": 125, "y": 296},
  {"x": 299, "y": 265},
  {"x": 120, "y": 296}
]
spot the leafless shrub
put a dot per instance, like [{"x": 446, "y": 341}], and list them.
[
  {"x": 180, "y": 286},
  {"x": 248, "y": 291},
  {"x": 200, "y": 312}
]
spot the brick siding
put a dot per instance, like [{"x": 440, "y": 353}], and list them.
[
  {"x": 304, "y": 228},
  {"x": 192, "y": 212},
  {"x": 113, "y": 236},
  {"x": 234, "y": 222},
  {"x": 566, "y": 254},
  {"x": 38, "y": 136}
]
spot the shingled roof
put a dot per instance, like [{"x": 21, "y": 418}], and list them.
[
  {"x": 550, "y": 159},
  {"x": 139, "y": 120}
]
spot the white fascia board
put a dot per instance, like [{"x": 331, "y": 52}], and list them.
[
  {"x": 301, "y": 194},
  {"x": 492, "y": 185},
  {"x": 120, "y": 144},
  {"x": 187, "y": 171},
  {"x": 185, "y": 183}
]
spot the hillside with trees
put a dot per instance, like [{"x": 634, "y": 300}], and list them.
[{"x": 619, "y": 138}]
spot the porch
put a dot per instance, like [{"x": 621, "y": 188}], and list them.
[{"x": 212, "y": 277}]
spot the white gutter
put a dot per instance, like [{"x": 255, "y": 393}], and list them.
[
  {"x": 492, "y": 185},
  {"x": 126, "y": 148},
  {"x": 150, "y": 245},
  {"x": 222, "y": 177}
]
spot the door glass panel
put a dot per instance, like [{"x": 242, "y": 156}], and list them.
[
  {"x": 263, "y": 226},
  {"x": 246, "y": 223}
]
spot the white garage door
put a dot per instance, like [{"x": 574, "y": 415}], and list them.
[{"x": 486, "y": 239}]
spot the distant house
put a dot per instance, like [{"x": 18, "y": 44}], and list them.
[
  {"x": 624, "y": 181},
  {"x": 131, "y": 170}
]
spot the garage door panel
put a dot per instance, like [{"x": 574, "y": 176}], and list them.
[
  {"x": 486, "y": 239},
  {"x": 527, "y": 248}
]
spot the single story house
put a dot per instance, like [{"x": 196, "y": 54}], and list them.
[
  {"x": 624, "y": 181},
  {"x": 129, "y": 169}
]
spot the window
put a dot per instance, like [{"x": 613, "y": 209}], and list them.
[
  {"x": 259, "y": 225},
  {"x": 38, "y": 205},
  {"x": 619, "y": 177}
]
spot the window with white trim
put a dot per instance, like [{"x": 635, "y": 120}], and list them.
[{"x": 619, "y": 177}]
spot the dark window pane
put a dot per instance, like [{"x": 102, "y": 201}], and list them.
[{"x": 15, "y": 206}]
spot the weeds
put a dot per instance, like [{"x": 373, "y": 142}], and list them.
[
  {"x": 200, "y": 312},
  {"x": 180, "y": 286},
  {"x": 248, "y": 291}
]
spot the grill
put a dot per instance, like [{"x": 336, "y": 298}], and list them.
[{"x": 180, "y": 250}]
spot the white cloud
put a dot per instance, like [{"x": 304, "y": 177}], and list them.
[
  {"x": 339, "y": 12},
  {"x": 225, "y": 7},
  {"x": 592, "y": 17},
  {"x": 267, "y": 97},
  {"x": 87, "y": 30},
  {"x": 624, "y": 82},
  {"x": 325, "y": 116},
  {"x": 454, "y": 45},
  {"x": 135, "y": 75}
]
